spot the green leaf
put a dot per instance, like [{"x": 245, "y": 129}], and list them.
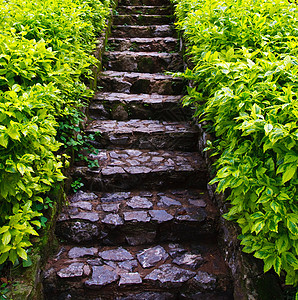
[
  {"x": 3, "y": 140},
  {"x": 289, "y": 173},
  {"x": 4, "y": 257},
  {"x": 13, "y": 131},
  {"x": 291, "y": 260},
  {"x": 282, "y": 243},
  {"x": 6, "y": 238},
  {"x": 21, "y": 168},
  {"x": 22, "y": 253},
  {"x": 277, "y": 265},
  {"x": 27, "y": 263},
  {"x": 268, "y": 263}
]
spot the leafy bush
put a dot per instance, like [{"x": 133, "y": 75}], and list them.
[
  {"x": 45, "y": 57},
  {"x": 245, "y": 78}
]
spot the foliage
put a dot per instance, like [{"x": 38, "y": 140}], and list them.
[
  {"x": 245, "y": 87},
  {"x": 45, "y": 57}
]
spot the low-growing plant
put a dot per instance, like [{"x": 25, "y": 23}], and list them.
[{"x": 245, "y": 87}]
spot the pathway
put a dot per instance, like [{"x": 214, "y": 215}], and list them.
[{"x": 144, "y": 227}]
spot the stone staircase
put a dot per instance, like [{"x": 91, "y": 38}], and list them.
[{"x": 144, "y": 226}]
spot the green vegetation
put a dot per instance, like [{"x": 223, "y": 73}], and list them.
[
  {"x": 245, "y": 79},
  {"x": 45, "y": 60}
]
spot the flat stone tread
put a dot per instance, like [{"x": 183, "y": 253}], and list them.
[
  {"x": 141, "y": 54},
  {"x": 143, "y": 16},
  {"x": 146, "y": 40},
  {"x": 144, "y": 161},
  {"x": 170, "y": 263},
  {"x": 140, "y": 126},
  {"x": 135, "y": 75},
  {"x": 193, "y": 203},
  {"x": 142, "y": 98}
]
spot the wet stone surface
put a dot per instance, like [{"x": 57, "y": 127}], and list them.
[
  {"x": 81, "y": 252},
  {"x": 101, "y": 276},
  {"x": 119, "y": 254},
  {"x": 189, "y": 260},
  {"x": 73, "y": 270},
  {"x": 130, "y": 278},
  {"x": 150, "y": 257}
]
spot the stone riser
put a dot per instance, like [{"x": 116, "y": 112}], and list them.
[
  {"x": 143, "y": 31},
  {"x": 168, "y": 271},
  {"x": 104, "y": 110},
  {"x": 145, "y": 44},
  {"x": 142, "y": 62},
  {"x": 126, "y": 182},
  {"x": 138, "y": 83},
  {"x": 143, "y": 20},
  {"x": 144, "y": 2},
  {"x": 144, "y": 10}
]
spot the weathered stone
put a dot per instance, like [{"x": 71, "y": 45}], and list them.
[
  {"x": 119, "y": 254},
  {"x": 114, "y": 207},
  {"x": 130, "y": 278},
  {"x": 83, "y": 196},
  {"x": 149, "y": 296},
  {"x": 167, "y": 201},
  {"x": 198, "y": 203},
  {"x": 176, "y": 250},
  {"x": 137, "y": 170},
  {"x": 95, "y": 262},
  {"x": 73, "y": 270},
  {"x": 87, "y": 270},
  {"x": 141, "y": 239},
  {"x": 114, "y": 197},
  {"x": 83, "y": 205},
  {"x": 76, "y": 252},
  {"x": 101, "y": 276},
  {"x": 204, "y": 280},
  {"x": 136, "y": 216},
  {"x": 89, "y": 216},
  {"x": 128, "y": 265},
  {"x": 168, "y": 274},
  {"x": 112, "y": 170},
  {"x": 78, "y": 231},
  {"x": 150, "y": 257},
  {"x": 160, "y": 216},
  {"x": 113, "y": 219},
  {"x": 139, "y": 202},
  {"x": 189, "y": 260}
]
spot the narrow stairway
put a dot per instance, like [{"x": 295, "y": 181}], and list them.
[{"x": 144, "y": 226}]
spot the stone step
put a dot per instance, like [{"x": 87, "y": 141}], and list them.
[
  {"x": 121, "y": 106},
  {"x": 156, "y": 272},
  {"x": 132, "y": 169},
  {"x": 167, "y": 44},
  {"x": 140, "y": 83},
  {"x": 126, "y": 31},
  {"x": 137, "y": 217},
  {"x": 144, "y": 3},
  {"x": 143, "y": 62},
  {"x": 140, "y": 19},
  {"x": 144, "y": 10},
  {"x": 143, "y": 134}
]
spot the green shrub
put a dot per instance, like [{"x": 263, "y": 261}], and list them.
[
  {"x": 45, "y": 58},
  {"x": 245, "y": 78}
]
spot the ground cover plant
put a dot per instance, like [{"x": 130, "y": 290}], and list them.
[
  {"x": 245, "y": 87},
  {"x": 45, "y": 62}
]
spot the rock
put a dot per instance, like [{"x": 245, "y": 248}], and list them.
[
  {"x": 139, "y": 216},
  {"x": 167, "y": 201},
  {"x": 113, "y": 219},
  {"x": 141, "y": 239},
  {"x": 139, "y": 202},
  {"x": 119, "y": 254},
  {"x": 176, "y": 250},
  {"x": 149, "y": 296},
  {"x": 114, "y": 207},
  {"x": 78, "y": 231},
  {"x": 73, "y": 270},
  {"x": 101, "y": 276},
  {"x": 112, "y": 170},
  {"x": 89, "y": 216},
  {"x": 160, "y": 216},
  {"x": 137, "y": 170},
  {"x": 83, "y": 196},
  {"x": 119, "y": 113},
  {"x": 189, "y": 260},
  {"x": 87, "y": 270},
  {"x": 114, "y": 197},
  {"x": 204, "y": 280},
  {"x": 76, "y": 252},
  {"x": 128, "y": 265},
  {"x": 198, "y": 203},
  {"x": 150, "y": 257},
  {"x": 168, "y": 274},
  {"x": 82, "y": 204},
  {"x": 130, "y": 278},
  {"x": 95, "y": 262}
]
